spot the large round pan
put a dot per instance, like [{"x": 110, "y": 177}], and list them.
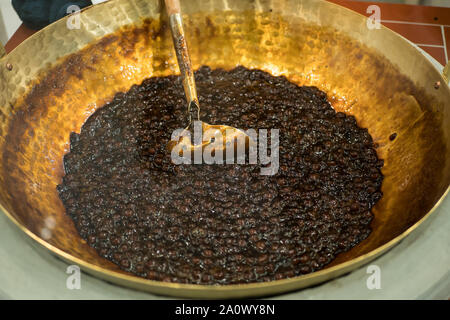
[{"x": 52, "y": 82}]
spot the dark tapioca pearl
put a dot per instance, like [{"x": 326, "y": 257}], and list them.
[
  {"x": 208, "y": 253},
  {"x": 263, "y": 258},
  {"x": 393, "y": 136},
  {"x": 140, "y": 267},
  {"x": 123, "y": 248},
  {"x": 91, "y": 239},
  {"x": 117, "y": 256},
  {"x": 102, "y": 235},
  {"x": 279, "y": 276},
  {"x": 153, "y": 275}
]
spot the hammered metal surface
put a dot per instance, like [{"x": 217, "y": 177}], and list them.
[{"x": 61, "y": 76}]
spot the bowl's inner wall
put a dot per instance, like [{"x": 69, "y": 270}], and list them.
[{"x": 358, "y": 81}]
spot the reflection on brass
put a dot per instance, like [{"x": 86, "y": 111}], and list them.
[
  {"x": 2, "y": 50},
  {"x": 446, "y": 73},
  {"x": 62, "y": 76}
]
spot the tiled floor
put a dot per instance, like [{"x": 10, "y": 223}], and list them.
[{"x": 428, "y": 27}]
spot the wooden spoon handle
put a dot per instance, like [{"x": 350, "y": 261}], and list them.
[
  {"x": 184, "y": 61},
  {"x": 173, "y": 6}
]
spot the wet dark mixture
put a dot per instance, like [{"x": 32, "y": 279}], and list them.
[{"x": 221, "y": 224}]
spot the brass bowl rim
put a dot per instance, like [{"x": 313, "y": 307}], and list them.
[{"x": 363, "y": 259}]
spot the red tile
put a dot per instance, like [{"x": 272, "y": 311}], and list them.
[
  {"x": 418, "y": 33},
  {"x": 447, "y": 40},
  {"x": 402, "y": 12},
  {"x": 20, "y": 35},
  {"x": 437, "y": 53}
]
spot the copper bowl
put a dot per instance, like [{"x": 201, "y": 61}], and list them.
[{"x": 60, "y": 76}]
